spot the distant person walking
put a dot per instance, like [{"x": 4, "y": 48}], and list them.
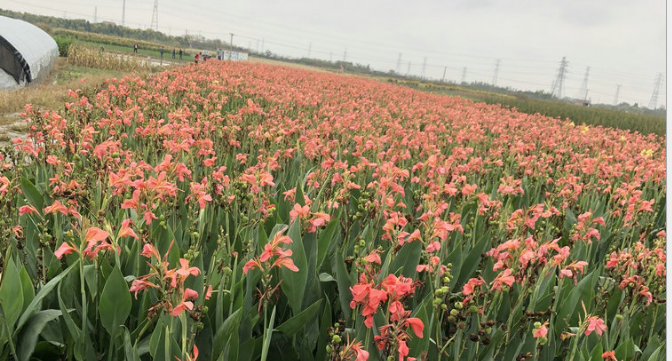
[
  {"x": 135, "y": 48},
  {"x": 180, "y": 54},
  {"x": 173, "y": 53},
  {"x": 162, "y": 52},
  {"x": 196, "y": 58}
]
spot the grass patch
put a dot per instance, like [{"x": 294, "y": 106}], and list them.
[{"x": 51, "y": 93}]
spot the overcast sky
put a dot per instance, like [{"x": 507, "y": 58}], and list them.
[{"x": 622, "y": 41}]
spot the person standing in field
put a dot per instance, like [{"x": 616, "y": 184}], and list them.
[
  {"x": 196, "y": 58},
  {"x": 180, "y": 54},
  {"x": 173, "y": 53},
  {"x": 162, "y": 52},
  {"x": 135, "y": 48}
]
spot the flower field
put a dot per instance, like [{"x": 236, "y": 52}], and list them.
[{"x": 232, "y": 211}]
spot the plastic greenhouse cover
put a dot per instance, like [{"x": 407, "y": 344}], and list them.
[{"x": 36, "y": 46}]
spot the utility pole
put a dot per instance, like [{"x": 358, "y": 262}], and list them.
[
  {"x": 231, "y": 47},
  {"x": 494, "y": 76},
  {"x": 123, "y": 14},
  {"x": 583, "y": 91},
  {"x": 618, "y": 89},
  {"x": 653, "y": 104},
  {"x": 464, "y": 75},
  {"x": 424, "y": 66},
  {"x": 155, "y": 16},
  {"x": 443, "y": 78},
  {"x": 310, "y": 45},
  {"x": 558, "y": 83},
  {"x": 262, "y": 45},
  {"x": 408, "y": 71},
  {"x": 399, "y": 64}
]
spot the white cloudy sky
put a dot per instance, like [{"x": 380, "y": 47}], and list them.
[{"x": 622, "y": 41}]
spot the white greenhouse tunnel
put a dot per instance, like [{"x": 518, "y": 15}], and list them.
[{"x": 27, "y": 54}]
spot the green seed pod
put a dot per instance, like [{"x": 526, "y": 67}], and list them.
[
  {"x": 473, "y": 309},
  {"x": 336, "y": 339},
  {"x": 537, "y": 324},
  {"x": 458, "y": 305},
  {"x": 454, "y": 312},
  {"x": 362, "y": 243}
]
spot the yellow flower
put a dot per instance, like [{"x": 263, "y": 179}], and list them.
[{"x": 646, "y": 153}]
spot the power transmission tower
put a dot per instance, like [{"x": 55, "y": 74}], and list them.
[
  {"x": 399, "y": 64},
  {"x": 443, "y": 78},
  {"x": 408, "y": 71},
  {"x": 95, "y": 14},
  {"x": 123, "y": 14},
  {"x": 583, "y": 91},
  {"x": 558, "y": 83},
  {"x": 331, "y": 56},
  {"x": 653, "y": 104},
  {"x": 464, "y": 75},
  {"x": 618, "y": 89},
  {"x": 310, "y": 45},
  {"x": 424, "y": 66},
  {"x": 494, "y": 76},
  {"x": 155, "y": 16},
  {"x": 231, "y": 47}
]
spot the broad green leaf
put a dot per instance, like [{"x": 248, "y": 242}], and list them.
[
  {"x": 570, "y": 306},
  {"x": 32, "y": 194},
  {"x": 44, "y": 291},
  {"x": 407, "y": 260},
  {"x": 655, "y": 355},
  {"x": 296, "y": 323},
  {"x": 29, "y": 334},
  {"x": 115, "y": 303},
  {"x": 473, "y": 259},
  {"x": 596, "y": 354},
  {"x": 28, "y": 288},
  {"x": 268, "y": 333},
  {"x": 11, "y": 294},
  {"x": 325, "y": 239},
  {"x": 343, "y": 282},
  {"x": 294, "y": 283},
  {"x": 224, "y": 333},
  {"x": 626, "y": 350}
]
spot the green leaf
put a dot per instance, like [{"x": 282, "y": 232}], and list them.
[
  {"x": 75, "y": 332},
  {"x": 28, "y": 288},
  {"x": 325, "y": 239},
  {"x": 224, "y": 335},
  {"x": 28, "y": 337},
  {"x": 343, "y": 283},
  {"x": 44, "y": 291},
  {"x": 596, "y": 354},
  {"x": 11, "y": 294},
  {"x": 115, "y": 303},
  {"x": 294, "y": 283},
  {"x": 626, "y": 350},
  {"x": 296, "y": 323},
  {"x": 571, "y": 305},
  {"x": 267, "y": 336},
  {"x": 32, "y": 194},
  {"x": 407, "y": 260},
  {"x": 471, "y": 262},
  {"x": 654, "y": 356}
]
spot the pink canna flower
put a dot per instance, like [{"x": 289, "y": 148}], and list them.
[
  {"x": 126, "y": 230},
  {"x": 595, "y": 324},
  {"x": 64, "y": 249},
  {"x": 27, "y": 209}
]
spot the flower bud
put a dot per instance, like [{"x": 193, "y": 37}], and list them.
[{"x": 537, "y": 324}]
